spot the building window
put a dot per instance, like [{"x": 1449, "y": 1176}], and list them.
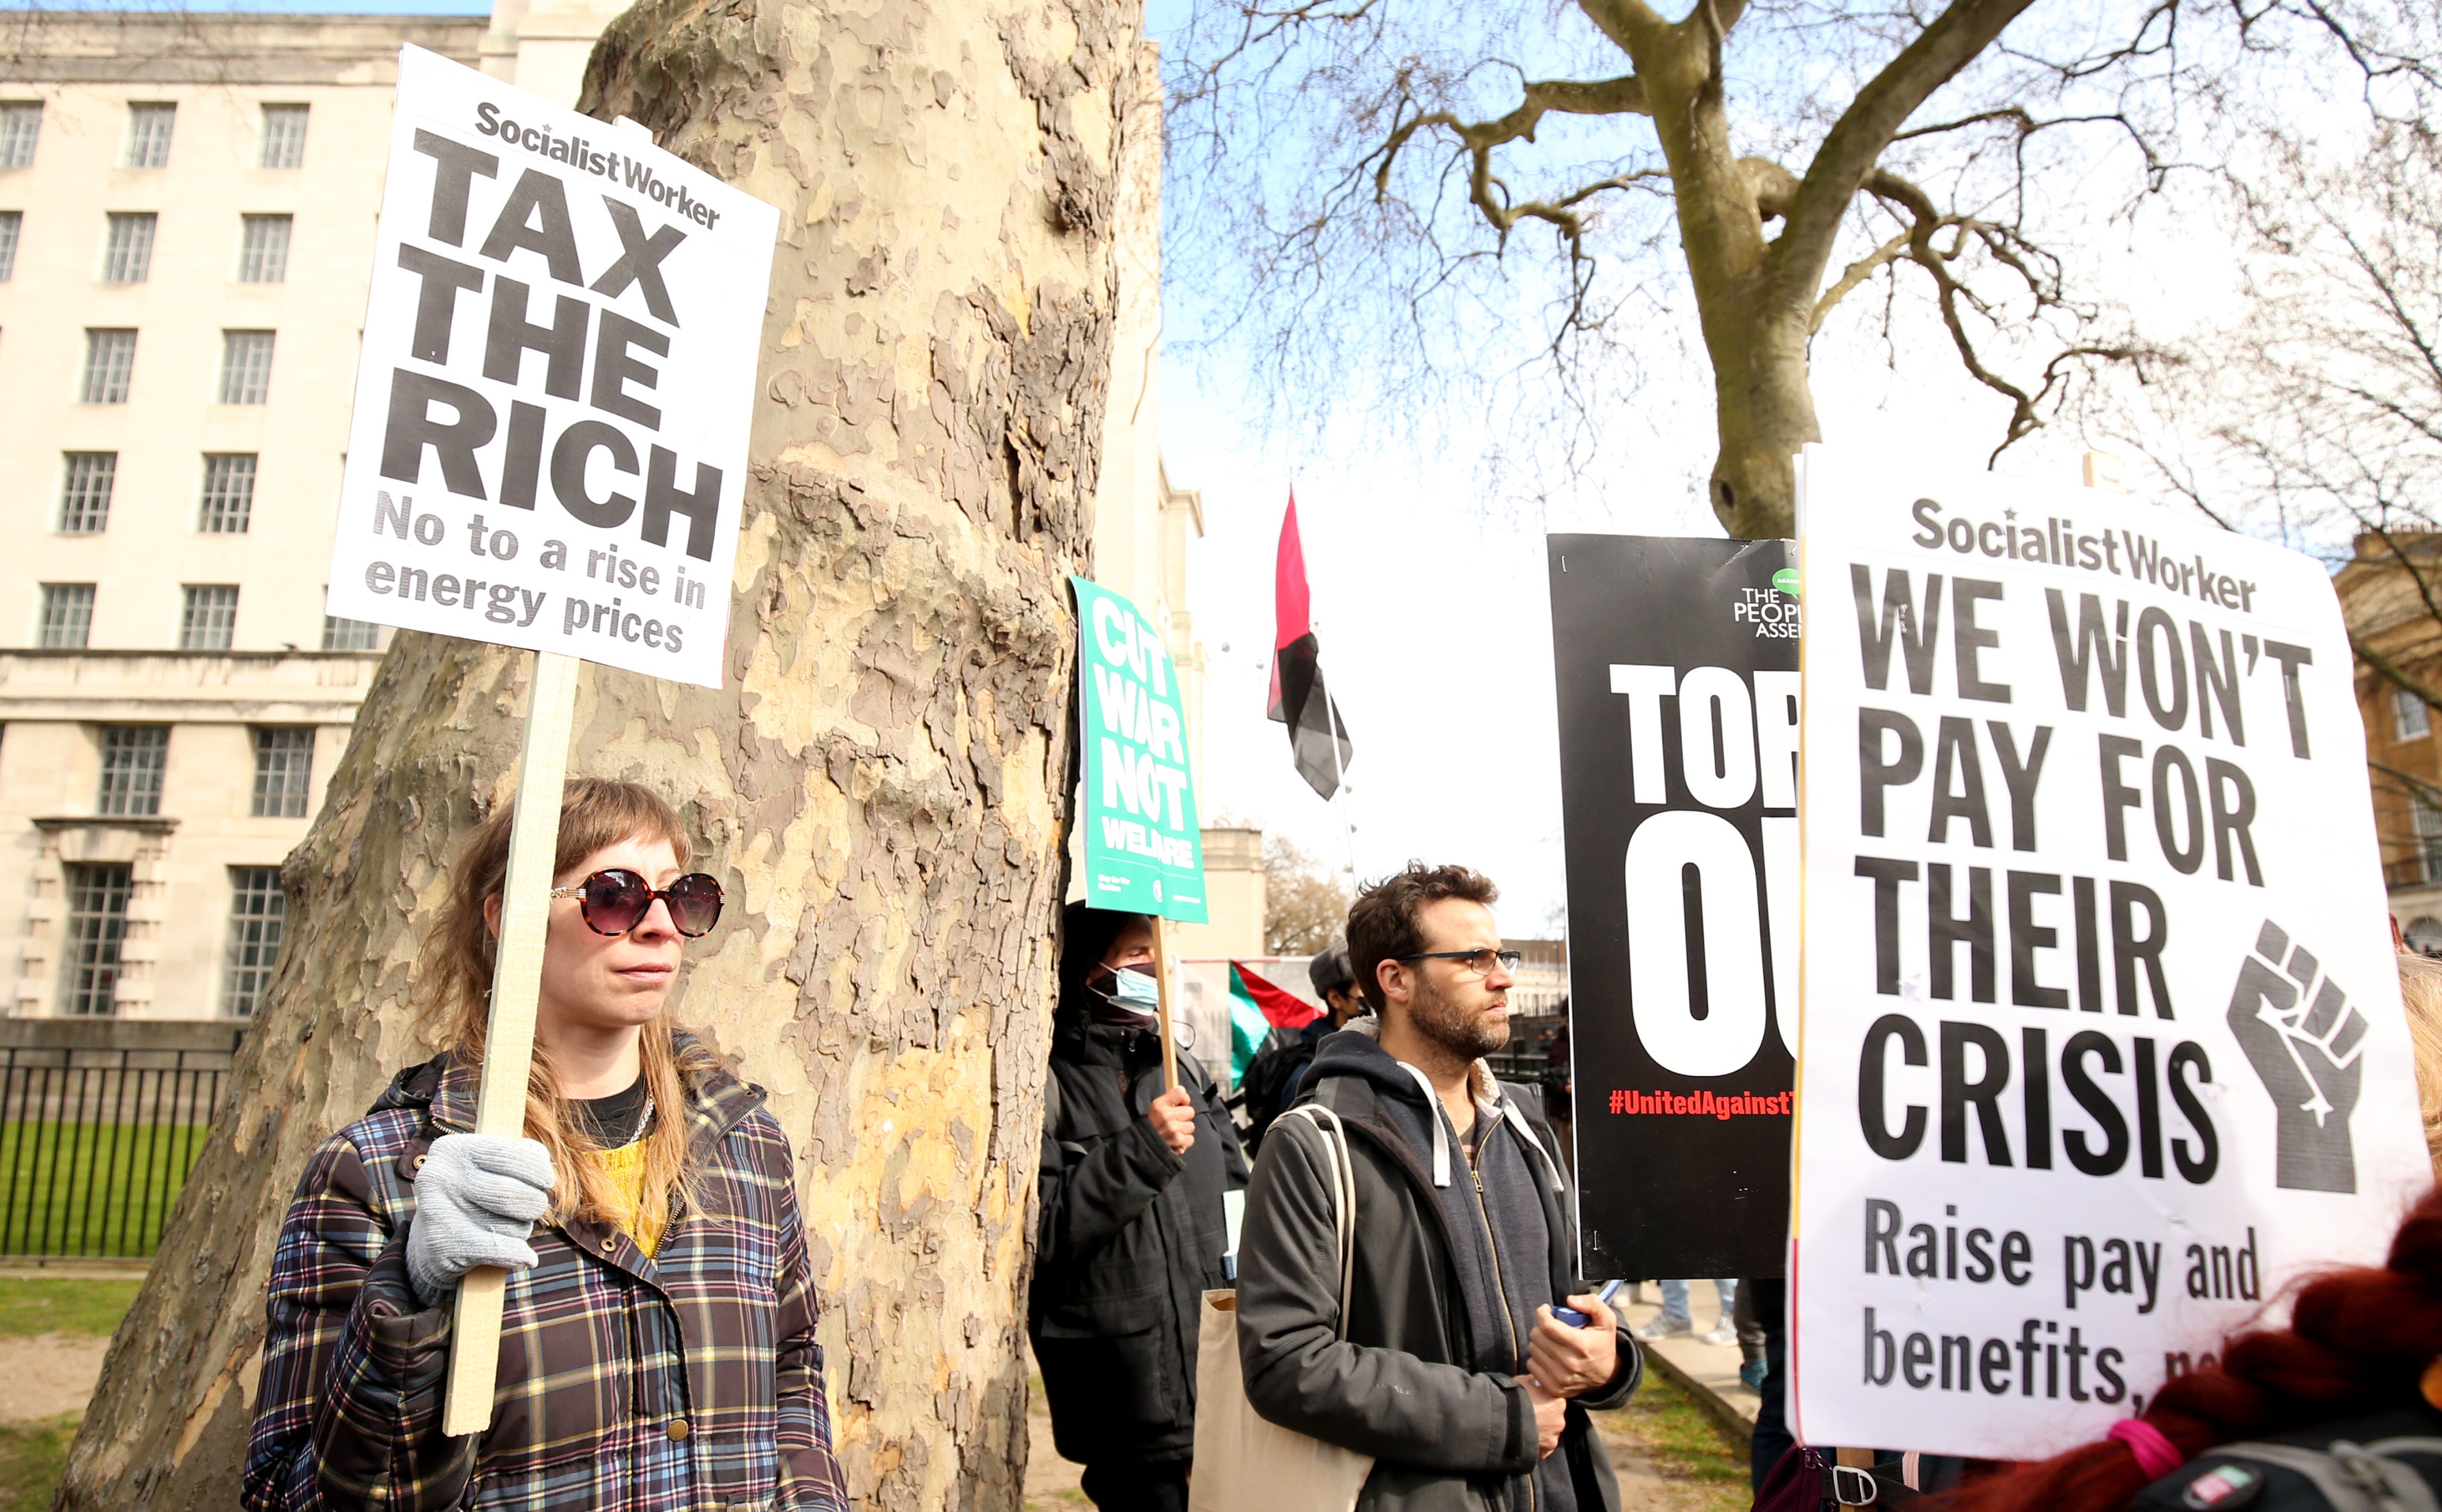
[
  {"x": 86, "y": 485},
  {"x": 148, "y": 135},
  {"x": 109, "y": 366},
  {"x": 283, "y": 136},
  {"x": 258, "y": 913},
  {"x": 284, "y": 765},
  {"x": 127, "y": 246},
  {"x": 97, "y": 929},
  {"x": 263, "y": 249},
  {"x": 11, "y": 221},
  {"x": 2428, "y": 819},
  {"x": 67, "y": 616},
  {"x": 21, "y": 126},
  {"x": 2410, "y": 720},
  {"x": 350, "y": 635},
  {"x": 133, "y": 759},
  {"x": 246, "y": 366},
  {"x": 208, "y": 622},
  {"x": 228, "y": 493}
]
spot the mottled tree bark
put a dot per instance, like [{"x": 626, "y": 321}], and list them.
[{"x": 881, "y": 786}]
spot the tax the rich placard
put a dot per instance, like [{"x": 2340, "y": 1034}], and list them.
[
  {"x": 2101, "y": 1043},
  {"x": 549, "y": 443},
  {"x": 1676, "y": 663},
  {"x": 1144, "y": 846}
]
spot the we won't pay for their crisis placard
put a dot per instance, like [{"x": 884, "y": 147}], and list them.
[
  {"x": 557, "y": 379},
  {"x": 2102, "y": 1041}
]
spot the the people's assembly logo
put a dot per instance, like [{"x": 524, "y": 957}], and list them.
[{"x": 1773, "y": 612}]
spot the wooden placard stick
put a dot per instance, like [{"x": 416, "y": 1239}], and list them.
[
  {"x": 508, "y": 1037},
  {"x": 1161, "y": 973}
]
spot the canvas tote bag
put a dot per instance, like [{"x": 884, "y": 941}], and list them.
[{"x": 1243, "y": 1462}]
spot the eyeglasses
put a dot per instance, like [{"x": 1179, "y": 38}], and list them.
[
  {"x": 614, "y": 900},
  {"x": 1479, "y": 961}
]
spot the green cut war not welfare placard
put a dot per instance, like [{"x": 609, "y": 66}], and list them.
[{"x": 1145, "y": 851}]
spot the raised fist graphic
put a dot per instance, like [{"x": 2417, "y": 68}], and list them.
[{"x": 2304, "y": 1040}]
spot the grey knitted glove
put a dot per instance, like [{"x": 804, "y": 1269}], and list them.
[{"x": 477, "y": 1197}]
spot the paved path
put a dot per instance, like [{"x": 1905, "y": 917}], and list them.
[
  {"x": 1051, "y": 1483},
  {"x": 47, "y": 1375},
  {"x": 1710, "y": 1371}
]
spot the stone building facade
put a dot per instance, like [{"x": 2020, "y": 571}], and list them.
[
  {"x": 188, "y": 205},
  {"x": 2388, "y": 615},
  {"x": 187, "y": 210}
]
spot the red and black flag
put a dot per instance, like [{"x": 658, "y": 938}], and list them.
[{"x": 1318, "y": 739}]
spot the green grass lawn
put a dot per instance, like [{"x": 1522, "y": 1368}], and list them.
[
  {"x": 93, "y": 1189},
  {"x": 32, "y": 1454},
  {"x": 48, "y": 1305},
  {"x": 31, "y": 1457},
  {"x": 1683, "y": 1442}
]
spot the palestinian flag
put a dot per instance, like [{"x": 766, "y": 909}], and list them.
[
  {"x": 1256, "y": 1008},
  {"x": 1317, "y": 737}
]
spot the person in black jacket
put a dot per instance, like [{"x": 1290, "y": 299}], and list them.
[{"x": 1132, "y": 1230}]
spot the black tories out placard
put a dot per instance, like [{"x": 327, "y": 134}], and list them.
[
  {"x": 2102, "y": 1043},
  {"x": 1677, "y": 666},
  {"x": 549, "y": 446}
]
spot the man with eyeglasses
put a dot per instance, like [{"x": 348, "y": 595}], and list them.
[{"x": 1451, "y": 1369}]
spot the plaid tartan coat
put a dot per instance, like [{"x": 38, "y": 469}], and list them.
[{"x": 689, "y": 1379}]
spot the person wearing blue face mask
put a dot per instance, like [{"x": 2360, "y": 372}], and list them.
[{"x": 1132, "y": 1227}]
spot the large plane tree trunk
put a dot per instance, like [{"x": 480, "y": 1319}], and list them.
[{"x": 880, "y": 786}]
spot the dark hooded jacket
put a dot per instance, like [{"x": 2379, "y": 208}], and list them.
[
  {"x": 1131, "y": 1235},
  {"x": 1447, "y": 1282}
]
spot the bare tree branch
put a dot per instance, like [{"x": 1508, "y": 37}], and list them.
[
  {"x": 1488, "y": 193},
  {"x": 2415, "y": 785},
  {"x": 2000, "y": 243},
  {"x": 2391, "y": 673},
  {"x": 2406, "y": 564},
  {"x": 1856, "y": 273},
  {"x": 1630, "y": 25},
  {"x": 1857, "y": 140}
]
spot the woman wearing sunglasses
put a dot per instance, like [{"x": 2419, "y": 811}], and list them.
[{"x": 658, "y": 1343}]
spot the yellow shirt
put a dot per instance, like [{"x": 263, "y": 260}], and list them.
[{"x": 625, "y": 1169}]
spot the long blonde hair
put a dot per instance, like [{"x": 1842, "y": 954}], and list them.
[{"x": 457, "y": 990}]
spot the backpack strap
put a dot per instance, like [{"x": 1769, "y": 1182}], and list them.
[
  {"x": 1055, "y": 1108},
  {"x": 2352, "y": 1477},
  {"x": 1343, "y": 1194}
]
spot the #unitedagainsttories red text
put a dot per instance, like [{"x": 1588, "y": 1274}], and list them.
[{"x": 1701, "y": 1105}]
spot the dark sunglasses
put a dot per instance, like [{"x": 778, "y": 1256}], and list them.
[{"x": 614, "y": 900}]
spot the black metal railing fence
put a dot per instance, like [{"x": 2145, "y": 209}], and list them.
[{"x": 94, "y": 1145}]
